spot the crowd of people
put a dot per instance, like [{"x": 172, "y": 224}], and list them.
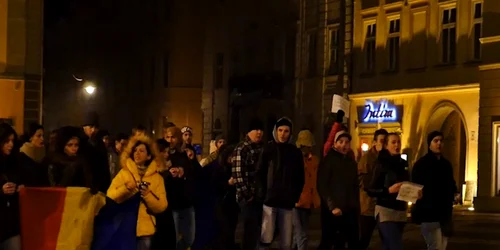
[{"x": 193, "y": 203}]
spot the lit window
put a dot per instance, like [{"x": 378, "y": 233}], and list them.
[
  {"x": 370, "y": 46},
  {"x": 476, "y": 30},
  {"x": 333, "y": 67},
  {"x": 393, "y": 43},
  {"x": 448, "y": 35}
]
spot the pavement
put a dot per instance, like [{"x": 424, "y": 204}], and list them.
[{"x": 473, "y": 231}]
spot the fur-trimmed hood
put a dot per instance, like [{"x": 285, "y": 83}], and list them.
[{"x": 158, "y": 163}]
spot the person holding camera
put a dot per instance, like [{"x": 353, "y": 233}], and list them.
[{"x": 140, "y": 163}]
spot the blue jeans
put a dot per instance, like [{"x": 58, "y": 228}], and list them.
[
  {"x": 12, "y": 243},
  {"x": 285, "y": 224},
  {"x": 144, "y": 243},
  {"x": 391, "y": 233},
  {"x": 433, "y": 236},
  {"x": 184, "y": 221},
  {"x": 300, "y": 225}
]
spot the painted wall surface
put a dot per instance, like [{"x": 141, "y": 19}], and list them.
[
  {"x": 183, "y": 108},
  {"x": 12, "y": 102},
  {"x": 424, "y": 111}
]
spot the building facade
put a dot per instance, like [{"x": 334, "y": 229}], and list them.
[
  {"x": 21, "y": 32},
  {"x": 416, "y": 71},
  {"x": 324, "y": 65},
  {"x": 248, "y": 66},
  {"x": 488, "y": 199},
  {"x": 148, "y": 70}
]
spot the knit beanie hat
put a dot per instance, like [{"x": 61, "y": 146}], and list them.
[
  {"x": 186, "y": 129},
  {"x": 255, "y": 124},
  {"x": 284, "y": 122},
  {"x": 341, "y": 134},
  {"x": 91, "y": 119},
  {"x": 220, "y": 137},
  {"x": 432, "y": 135},
  {"x": 305, "y": 138}
]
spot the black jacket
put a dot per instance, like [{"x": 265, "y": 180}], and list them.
[
  {"x": 338, "y": 182},
  {"x": 96, "y": 156},
  {"x": 438, "y": 194},
  {"x": 181, "y": 192},
  {"x": 279, "y": 175},
  {"x": 388, "y": 171},
  {"x": 9, "y": 204},
  {"x": 66, "y": 171},
  {"x": 33, "y": 174},
  {"x": 219, "y": 181}
]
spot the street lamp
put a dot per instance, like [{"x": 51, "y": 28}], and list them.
[{"x": 89, "y": 88}]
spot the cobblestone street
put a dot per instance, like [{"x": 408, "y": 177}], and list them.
[{"x": 472, "y": 231}]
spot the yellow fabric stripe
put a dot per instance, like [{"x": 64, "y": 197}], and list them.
[{"x": 77, "y": 224}]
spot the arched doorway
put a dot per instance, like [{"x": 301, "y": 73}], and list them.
[
  {"x": 447, "y": 118},
  {"x": 455, "y": 145}
]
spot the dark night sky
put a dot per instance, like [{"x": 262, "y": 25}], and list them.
[{"x": 55, "y": 10}]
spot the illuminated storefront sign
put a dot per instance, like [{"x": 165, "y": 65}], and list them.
[
  {"x": 382, "y": 111},
  {"x": 379, "y": 112}
]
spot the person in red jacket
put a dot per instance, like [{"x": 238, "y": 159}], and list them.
[{"x": 337, "y": 126}]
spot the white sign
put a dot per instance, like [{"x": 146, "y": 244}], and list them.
[
  {"x": 409, "y": 192},
  {"x": 340, "y": 103}
]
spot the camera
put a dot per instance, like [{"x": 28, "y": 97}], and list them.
[{"x": 144, "y": 184}]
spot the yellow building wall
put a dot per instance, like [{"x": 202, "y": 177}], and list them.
[
  {"x": 3, "y": 35},
  {"x": 183, "y": 108},
  {"x": 423, "y": 113},
  {"x": 12, "y": 102}
]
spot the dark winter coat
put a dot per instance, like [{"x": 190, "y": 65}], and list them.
[
  {"x": 33, "y": 166},
  {"x": 9, "y": 204},
  {"x": 96, "y": 156},
  {"x": 388, "y": 170},
  {"x": 180, "y": 195},
  {"x": 436, "y": 175},
  {"x": 181, "y": 191},
  {"x": 67, "y": 171},
  {"x": 338, "y": 184},
  {"x": 280, "y": 175}
]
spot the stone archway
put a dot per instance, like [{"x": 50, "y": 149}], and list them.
[{"x": 447, "y": 117}]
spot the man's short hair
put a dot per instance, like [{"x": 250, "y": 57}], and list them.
[
  {"x": 121, "y": 136},
  {"x": 380, "y": 132}
]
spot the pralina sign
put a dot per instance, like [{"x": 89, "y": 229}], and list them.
[{"x": 382, "y": 111}]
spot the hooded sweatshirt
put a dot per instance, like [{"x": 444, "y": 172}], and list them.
[{"x": 280, "y": 171}]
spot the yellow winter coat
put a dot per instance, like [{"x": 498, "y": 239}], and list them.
[{"x": 155, "y": 201}]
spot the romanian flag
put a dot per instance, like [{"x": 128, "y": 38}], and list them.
[{"x": 58, "y": 218}]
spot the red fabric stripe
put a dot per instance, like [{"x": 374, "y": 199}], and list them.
[{"x": 41, "y": 214}]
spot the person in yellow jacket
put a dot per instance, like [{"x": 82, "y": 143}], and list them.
[{"x": 140, "y": 163}]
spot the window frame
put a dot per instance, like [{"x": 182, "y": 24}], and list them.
[
  {"x": 366, "y": 40},
  {"x": 312, "y": 71},
  {"x": 333, "y": 47},
  {"x": 219, "y": 70},
  {"x": 475, "y": 21},
  {"x": 390, "y": 36},
  {"x": 495, "y": 177},
  {"x": 448, "y": 26}
]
